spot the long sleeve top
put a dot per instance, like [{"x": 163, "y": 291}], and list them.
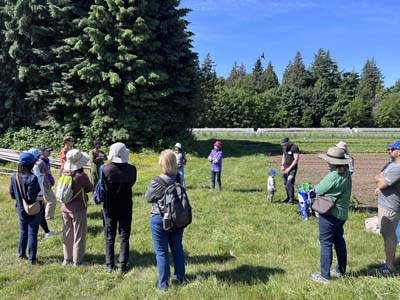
[
  {"x": 30, "y": 188},
  {"x": 155, "y": 193},
  {"x": 215, "y": 159}
]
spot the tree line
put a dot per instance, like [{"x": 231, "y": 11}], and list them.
[
  {"x": 125, "y": 70},
  {"x": 108, "y": 70},
  {"x": 318, "y": 96}
]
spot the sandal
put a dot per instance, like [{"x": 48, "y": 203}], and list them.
[{"x": 385, "y": 271}]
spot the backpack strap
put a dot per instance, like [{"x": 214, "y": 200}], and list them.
[
  {"x": 160, "y": 181},
  {"x": 164, "y": 185}
]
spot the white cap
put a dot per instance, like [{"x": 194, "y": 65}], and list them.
[
  {"x": 178, "y": 145},
  {"x": 75, "y": 160}
]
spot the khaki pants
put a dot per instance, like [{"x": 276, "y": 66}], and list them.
[
  {"x": 51, "y": 202},
  {"x": 74, "y": 235}
]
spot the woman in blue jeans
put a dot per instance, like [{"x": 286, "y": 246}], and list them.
[
  {"x": 29, "y": 186},
  {"x": 337, "y": 185},
  {"x": 161, "y": 238}
]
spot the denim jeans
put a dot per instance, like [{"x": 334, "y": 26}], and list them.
[
  {"x": 288, "y": 181},
  {"x": 29, "y": 227},
  {"x": 161, "y": 240},
  {"x": 181, "y": 176},
  {"x": 110, "y": 231},
  {"x": 216, "y": 175},
  {"x": 331, "y": 233}
]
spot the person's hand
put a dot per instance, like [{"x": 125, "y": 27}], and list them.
[
  {"x": 376, "y": 191},
  {"x": 282, "y": 168}
]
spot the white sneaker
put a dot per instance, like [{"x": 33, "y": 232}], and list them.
[{"x": 50, "y": 234}]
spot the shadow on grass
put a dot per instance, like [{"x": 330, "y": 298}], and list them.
[
  {"x": 206, "y": 259},
  {"x": 245, "y": 274},
  {"x": 367, "y": 209},
  {"x": 371, "y": 270},
  {"x": 248, "y": 190},
  {"x": 235, "y": 148}
]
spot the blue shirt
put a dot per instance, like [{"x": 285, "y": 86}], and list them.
[{"x": 30, "y": 188}]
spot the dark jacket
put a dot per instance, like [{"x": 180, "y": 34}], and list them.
[
  {"x": 30, "y": 187},
  {"x": 119, "y": 179}
]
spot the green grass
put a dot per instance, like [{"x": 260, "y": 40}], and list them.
[{"x": 239, "y": 246}]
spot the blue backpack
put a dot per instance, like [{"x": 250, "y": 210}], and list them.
[{"x": 100, "y": 192}]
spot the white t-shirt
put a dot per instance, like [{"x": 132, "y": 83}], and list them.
[{"x": 271, "y": 184}]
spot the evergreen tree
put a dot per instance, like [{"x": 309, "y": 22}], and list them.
[
  {"x": 344, "y": 94},
  {"x": 236, "y": 76},
  {"x": 257, "y": 77},
  {"x": 295, "y": 73},
  {"x": 208, "y": 92},
  {"x": 355, "y": 113},
  {"x": 388, "y": 111},
  {"x": 371, "y": 84},
  {"x": 140, "y": 71},
  {"x": 269, "y": 78},
  {"x": 324, "y": 67}
]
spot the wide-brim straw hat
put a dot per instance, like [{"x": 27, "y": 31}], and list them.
[
  {"x": 335, "y": 156},
  {"x": 75, "y": 160}
]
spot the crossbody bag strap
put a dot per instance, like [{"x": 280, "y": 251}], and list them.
[{"x": 20, "y": 191}]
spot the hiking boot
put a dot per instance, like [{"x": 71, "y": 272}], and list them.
[
  {"x": 80, "y": 264},
  {"x": 317, "y": 277}
]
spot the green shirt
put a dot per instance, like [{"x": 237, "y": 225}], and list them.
[{"x": 338, "y": 187}]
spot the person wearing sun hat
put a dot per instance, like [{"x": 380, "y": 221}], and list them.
[
  {"x": 119, "y": 177},
  {"x": 24, "y": 184},
  {"x": 45, "y": 170},
  {"x": 181, "y": 161},
  {"x": 337, "y": 184},
  {"x": 215, "y": 158},
  {"x": 36, "y": 170},
  {"x": 343, "y": 145},
  {"x": 388, "y": 189},
  {"x": 74, "y": 212}
]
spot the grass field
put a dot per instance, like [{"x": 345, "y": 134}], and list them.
[{"x": 239, "y": 246}]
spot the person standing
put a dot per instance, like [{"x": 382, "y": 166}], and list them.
[
  {"x": 215, "y": 158},
  {"x": 74, "y": 212},
  {"x": 388, "y": 189},
  {"x": 343, "y": 146},
  {"x": 25, "y": 187},
  {"x": 271, "y": 184},
  {"x": 289, "y": 163},
  {"x": 337, "y": 185},
  {"x": 119, "y": 177},
  {"x": 96, "y": 158},
  {"x": 36, "y": 171},
  {"x": 68, "y": 144},
  {"x": 161, "y": 238},
  {"x": 181, "y": 161},
  {"x": 45, "y": 171}
]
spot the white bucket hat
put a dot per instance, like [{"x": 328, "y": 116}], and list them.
[
  {"x": 335, "y": 156},
  {"x": 342, "y": 145},
  {"x": 178, "y": 145},
  {"x": 75, "y": 160},
  {"x": 118, "y": 153}
]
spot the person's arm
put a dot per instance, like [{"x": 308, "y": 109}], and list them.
[
  {"x": 294, "y": 163},
  {"x": 283, "y": 162},
  {"x": 87, "y": 185},
  {"x": 11, "y": 190},
  {"x": 325, "y": 184}
]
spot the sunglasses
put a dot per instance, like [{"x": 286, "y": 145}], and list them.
[{"x": 392, "y": 149}]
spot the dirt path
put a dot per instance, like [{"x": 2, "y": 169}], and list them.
[{"x": 313, "y": 169}]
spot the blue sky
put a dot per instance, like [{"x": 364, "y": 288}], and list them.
[{"x": 240, "y": 30}]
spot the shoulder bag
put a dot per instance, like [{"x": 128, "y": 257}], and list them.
[{"x": 30, "y": 209}]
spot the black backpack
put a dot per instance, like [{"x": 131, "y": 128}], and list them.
[{"x": 176, "y": 210}]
